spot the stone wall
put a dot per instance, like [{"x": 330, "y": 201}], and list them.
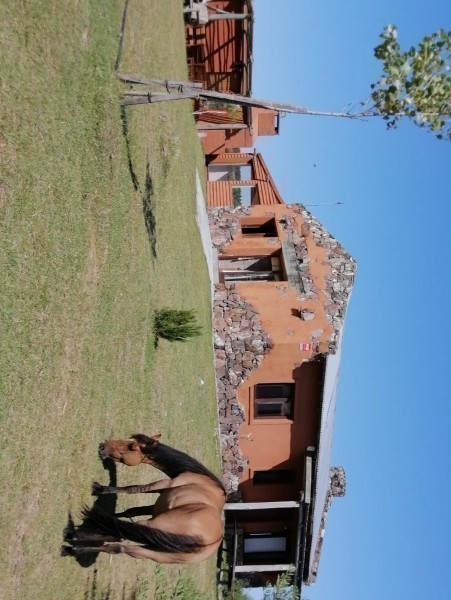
[
  {"x": 340, "y": 281},
  {"x": 240, "y": 346},
  {"x": 337, "y": 481},
  {"x": 225, "y": 224}
]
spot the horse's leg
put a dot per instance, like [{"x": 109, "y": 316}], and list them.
[
  {"x": 137, "y": 511},
  {"x": 76, "y": 550},
  {"x": 169, "y": 557},
  {"x": 159, "y": 557},
  {"x": 81, "y": 535},
  {"x": 137, "y": 552},
  {"x": 156, "y": 486},
  {"x": 132, "y": 551}
]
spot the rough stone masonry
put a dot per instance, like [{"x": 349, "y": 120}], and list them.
[{"x": 240, "y": 345}]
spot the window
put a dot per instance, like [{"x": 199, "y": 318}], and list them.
[
  {"x": 264, "y": 229},
  {"x": 274, "y": 476},
  {"x": 248, "y": 268},
  {"x": 274, "y": 400},
  {"x": 229, "y": 172},
  {"x": 244, "y": 195},
  {"x": 265, "y": 548}
]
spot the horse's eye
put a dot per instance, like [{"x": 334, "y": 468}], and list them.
[{"x": 131, "y": 446}]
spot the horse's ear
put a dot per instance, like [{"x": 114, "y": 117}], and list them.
[{"x": 153, "y": 441}]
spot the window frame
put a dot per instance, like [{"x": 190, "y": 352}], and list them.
[
  {"x": 286, "y": 401},
  {"x": 253, "y": 193},
  {"x": 229, "y": 170},
  {"x": 266, "y": 557},
  {"x": 274, "y": 272}
]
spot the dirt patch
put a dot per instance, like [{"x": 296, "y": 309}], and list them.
[
  {"x": 17, "y": 554},
  {"x": 94, "y": 262},
  {"x": 85, "y": 38},
  {"x": 3, "y": 193},
  {"x": 71, "y": 359}
]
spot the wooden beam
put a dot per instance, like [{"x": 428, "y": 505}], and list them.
[
  {"x": 235, "y": 552},
  {"x": 217, "y": 126},
  {"x": 260, "y": 568},
  {"x": 308, "y": 479},
  {"x": 166, "y": 83},
  {"x": 227, "y": 97},
  {"x": 260, "y": 505},
  {"x": 130, "y": 100}
]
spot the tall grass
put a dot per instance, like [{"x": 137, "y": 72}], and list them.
[{"x": 96, "y": 216}]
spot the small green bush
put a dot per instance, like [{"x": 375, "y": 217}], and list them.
[
  {"x": 178, "y": 586},
  {"x": 284, "y": 588},
  {"x": 176, "y": 325}
]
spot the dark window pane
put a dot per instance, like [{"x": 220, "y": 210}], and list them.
[
  {"x": 270, "y": 408},
  {"x": 267, "y": 229},
  {"x": 274, "y": 476},
  {"x": 274, "y": 400},
  {"x": 274, "y": 390}
]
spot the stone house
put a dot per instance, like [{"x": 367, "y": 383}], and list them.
[{"x": 282, "y": 288}]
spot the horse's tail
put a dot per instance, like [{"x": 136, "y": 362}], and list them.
[{"x": 151, "y": 538}]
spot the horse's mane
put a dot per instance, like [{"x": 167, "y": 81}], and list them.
[{"x": 174, "y": 462}]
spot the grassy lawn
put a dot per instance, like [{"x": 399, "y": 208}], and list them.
[{"x": 97, "y": 230}]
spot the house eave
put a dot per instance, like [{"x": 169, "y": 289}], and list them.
[{"x": 321, "y": 478}]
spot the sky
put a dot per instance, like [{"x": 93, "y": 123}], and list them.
[{"x": 389, "y": 537}]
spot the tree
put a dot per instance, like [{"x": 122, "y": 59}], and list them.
[
  {"x": 176, "y": 325},
  {"x": 415, "y": 84},
  {"x": 283, "y": 588},
  {"x": 237, "y": 196}
]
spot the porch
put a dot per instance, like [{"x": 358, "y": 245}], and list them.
[{"x": 264, "y": 554}]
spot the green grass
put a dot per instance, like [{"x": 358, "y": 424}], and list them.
[{"x": 82, "y": 275}]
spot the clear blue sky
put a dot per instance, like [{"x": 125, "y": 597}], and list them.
[{"x": 389, "y": 538}]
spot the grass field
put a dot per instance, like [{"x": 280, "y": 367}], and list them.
[{"x": 97, "y": 231}]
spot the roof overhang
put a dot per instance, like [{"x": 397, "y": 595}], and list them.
[{"x": 321, "y": 475}]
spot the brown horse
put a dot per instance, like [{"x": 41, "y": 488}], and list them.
[{"x": 186, "y": 524}]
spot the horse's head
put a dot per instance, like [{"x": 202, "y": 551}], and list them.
[{"x": 131, "y": 451}]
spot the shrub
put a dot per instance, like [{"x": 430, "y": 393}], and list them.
[{"x": 176, "y": 325}]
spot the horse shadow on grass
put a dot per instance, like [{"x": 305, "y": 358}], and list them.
[
  {"x": 106, "y": 503},
  {"x": 147, "y": 193}
]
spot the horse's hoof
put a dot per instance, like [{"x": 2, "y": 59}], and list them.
[
  {"x": 69, "y": 530},
  {"x": 67, "y": 551},
  {"x": 68, "y": 534},
  {"x": 96, "y": 488}
]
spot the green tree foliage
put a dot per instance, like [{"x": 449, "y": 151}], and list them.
[
  {"x": 415, "y": 84},
  {"x": 235, "y": 173},
  {"x": 284, "y": 588},
  {"x": 237, "y": 197},
  {"x": 238, "y": 592},
  {"x": 176, "y": 325}
]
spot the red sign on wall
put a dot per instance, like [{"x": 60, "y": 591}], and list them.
[{"x": 305, "y": 347}]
